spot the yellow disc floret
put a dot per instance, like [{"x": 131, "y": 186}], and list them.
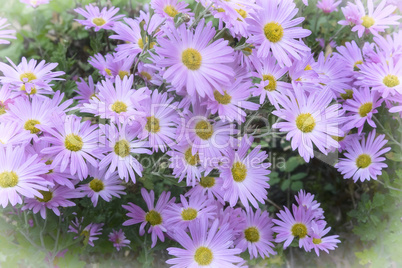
[
  {"x": 305, "y": 122},
  {"x": 73, "y": 142},
  {"x": 191, "y": 58},
  {"x": 273, "y": 32},
  {"x": 8, "y": 179},
  {"x": 239, "y": 171}
]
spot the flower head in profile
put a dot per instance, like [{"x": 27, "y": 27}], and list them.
[
  {"x": 155, "y": 215},
  {"x": 20, "y": 175},
  {"x": 328, "y": 6},
  {"x": 192, "y": 63},
  {"x": 273, "y": 29},
  {"x": 86, "y": 91},
  {"x": 98, "y": 19},
  {"x": 363, "y": 160},
  {"x": 99, "y": 186},
  {"x": 257, "y": 234},
  {"x": 203, "y": 246},
  {"x": 35, "y": 3},
  {"x": 119, "y": 239},
  {"x": 89, "y": 233},
  {"x": 4, "y": 33}
]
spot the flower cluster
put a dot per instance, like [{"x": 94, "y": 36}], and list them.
[{"x": 177, "y": 85}]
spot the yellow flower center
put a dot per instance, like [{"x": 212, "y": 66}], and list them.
[
  {"x": 146, "y": 75},
  {"x": 299, "y": 230},
  {"x": 203, "y": 256},
  {"x": 47, "y": 196},
  {"x": 30, "y": 125},
  {"x": 242, "y": 13},
  {"x": 273, "y": 32},
  {"x": 305, "y": 122},
  {"x": 122, "y": 74},
  {"x": 28, "y": 75},
  {"x": 317, "y": 241},
  {"x": 272, "y": 82},
  {"x": 207, "y": 182},
  {"x": 108, "y": 71},
  {"x": 96, "y": 185},
  {"x": 33, "y": 90},
  {"x": 140, "y": 43},
  {"x": 191, "y": 58},
  {"x": 252, "y": 234},
  {"x": 98, "y": 21},
  {"x": 122, "y": 148},
  {"x": 190, "y": 158},
  {"x": 348, "y": 95},
  {"x": 391, "y": 80},
  {"x": 8, "y": 179},
  {"x": 247, "y": 51},
  {"x": 367, "y": 21},
  {"x": 152, "y": 124},
  {"x": 308, "y": 68},
  {"x": 204, "y": 130},
  {"x": 338, "y": 138},
  {"x": 355, "y": 67},
  {"x": 239, "y": 171},
  {"x": 153, "y": 217},
  {"x": 2, "y": 109},
  {"x": 222, "y": 99},
  {"x": 73, "y": 142},
  {"x": 363, "y": 161},
  {"x": 189, "y": 214},
  {"x": 171, "y": 11},
  {"x": 365, "y": 109},
  {"x": 119, "y": 107}
]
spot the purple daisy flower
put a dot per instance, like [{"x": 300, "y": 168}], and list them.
[
  {"x": 273, "y": 28},
  {"x": 193, "y": 63},
  {"x": 169, "y": 8},
  {"x": 245, "y": 175},
  {"x": 110, "y": 67},
  {"x": 363, "y": 159},
  {"x": 289, "y": 226},
  {"x": 30, "y": 76},
  {"x": 362, "y": 108},
  {"x": 319, "y": 242},
  {"x": 72, "y": 142},
  {"x": 90, "y": 232},
  {"x": 306, "y": 200},
  {"x": 118, "y": 144},
  {"x": 181, "y": 215},
  {"x": 20, "y": 175},
  {"x": 385, "y": 77},
  {"x": 97, "y": 19},
  {"x": 270, "y": 74},
  {"x": 86, "y": 91},
  {"x": 209, "y": 186},
  {"x": 230, "y": 105},
  {"x": 12, "y": 133},
  {"x": 35, "y": 3},
  {"x": 159, "y": 121},
  {"x": 204, "y": 247},
  {"x": 309, "y": 120},
  {"x": 155, "y": 216},
  {"x": 99, "y": 186},
  {"x": 150, "y": 74},
  {"x": 351, "y": 13},
  {"x": 53, "y": 198},
  {"x": 351, "y": 56},
  {"x": 5, "y": 33},
  {"x": 118, "y": 239},
  {"x": 257, "y": 234},
  {"x": 328, "y": 6},
  {"x": 375, "y": 20}
]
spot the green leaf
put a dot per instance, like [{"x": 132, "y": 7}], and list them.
[
  {"x": 298, "y": 176},
  {"x": 296, "y": 186}
]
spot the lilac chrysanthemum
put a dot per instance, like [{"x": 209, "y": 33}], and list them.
[
  {"x": 86, "y": 91},
  {"x": 193, "y": 63},
  {"x": 72, "y": 142},
  {"x": 118, "y": 144},
  {"x": 362, "y": 108},
  {"x": 205, "y": 247},
  {"x": 328, "y": 6},
  {"x": 97, "y": 19},
  {"x": 363, "y": 159},
  {"x": 35, "y": 3},
  {"x": 289, "y": 226},
  {"x": 12, "y": 133},
  {"x": 257, "y": 234},
  {"x": 317, "y": 240},
  {"x": 169, "y": 8},
  {"x": 20, "y": 175},
  {"x": 309, "y": 120},
  {"x": 209, "y": 186},
  {"x": 245, "y": 175},
  {"x": 351, "y": 56},
  {"x": 99, "y": 186},
  {"x": 53, "y": 198},
  {"x": 273, "y": 28},
  {"x": 306, "y": 201},
  {"x": 155, "y": 216},
  {"x": 118, "y": 239},
  {"x": 90, "y": 232},
  {"x": 5, "y": 33},
  {"x": 181, "y": 215}
]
